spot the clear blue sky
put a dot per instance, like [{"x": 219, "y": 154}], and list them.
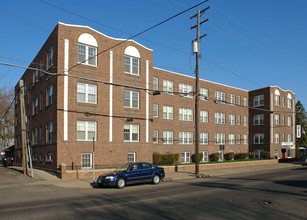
[{"x": 250, "y": 44}]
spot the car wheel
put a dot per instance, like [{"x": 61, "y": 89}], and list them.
[
  {"x": 120, "y": 183},
  {"x": 156, "y": 179}
]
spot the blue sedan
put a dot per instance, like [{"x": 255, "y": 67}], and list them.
[{"x": 132, "y": 173}]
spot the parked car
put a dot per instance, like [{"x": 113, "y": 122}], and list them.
[{"x": 132, "y": 173}]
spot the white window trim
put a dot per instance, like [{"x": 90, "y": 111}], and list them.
[
  {"x": 186, "y": 157},
  {"x": 168, "y": 136},
  {"x": 86, "y": 131},
  {"x": 86, "y": 55},
  {"x": 185, "y": 135},
  {"x": 87, "y": 93},
  {"x": 91, "y": 161},
  {"x": 131, "y": 65},
  {"x": 169, "y": 87},
  {"x": 168, "y": 109},
  {"x": 134, "y": 157},
  {"x": 130, "y": 99},
  {"x": 203, "y": 142},
  {"x": 153, "y": 111},
  {"x": 157, "y": 132}
]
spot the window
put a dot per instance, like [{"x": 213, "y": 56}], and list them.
[
  {"x": 155, "y": 84},
  {"x": 168, "y": 112},
  {"x": 204, "y": 157},
  {"x": 35, "y": 106},
  {"x": 238, "y": 100},
  {"x": 167, "y": 137},
  {"x": 86, "y": 130},
  {"x": 238, "y": 139},
  {"x": 238, "y": 119},
  {"x": 185, "y": 114},
  {"x": 276, "y": 138},
  {"x": 155, "y": 136},
  {"x": 232, "y": 119},
  {"x": 219, "y": 138},
  {"x": 259, "y": 119},
  {"x": 35, "y": 133},
  {"x": 289, "y": 101},
  {"x": 245, "y": 120},
  {"x": 132, "y": 65},
  {"x": 220, "y": 96},
  {"x": 219, "y": 118},
  {"x": 49, "y": 157},
  {"x": 289, "y": 121},
  {"x": 131, "y": 157},
  {"x": 131, "y": 99},
  {"x": 50, "y": 94},
  {"x": 258, "y": 100},
  {"x": 232, "y": 99},
  {"x": 87, "y": 54},
  {"x": 259, "y": 138},
  {"x": 50, "y": 57},
  {"x": 276, "y": 119},
  {"x": 185, "y": 137},
  {"x": 86, "y": 160},
  {"x": 289, "y": 138},
  {"x": 245, "y": 139},
  {"x": 155, "y": 110},
  {"x": 204, "y": 138},
  {"x": 185, "y": 90},
  {"x": 204, "y": 116},
  {"x": 87, "y": 93},
  {"x": 276, "y": 97},
  {"x": 35, "y": 77},
  {"x": 168, "y": 86},
  {"x": 204, "y": 94},
  {"x": 232, "y": 138},
  {"x": 245, "y": 102},
  {"x": 49, "y": 131},
  {"x": 131, "y": 133},
  {"x": 185, "y": 157}
]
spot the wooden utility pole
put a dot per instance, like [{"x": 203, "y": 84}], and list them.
[
  {"x": 23, "y": 128},
  {"x": 197, "y": 115}
]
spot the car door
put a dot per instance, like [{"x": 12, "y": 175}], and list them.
[
  {"x": 147, "y": 172},
  {"x": 134, "y": 174}
]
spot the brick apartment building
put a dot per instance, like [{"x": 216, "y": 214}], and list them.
[{"x": 73, "y": 96}]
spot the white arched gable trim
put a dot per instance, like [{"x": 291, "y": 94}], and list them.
[
  {"x": 277, "y": 92},
  {"x": 289, "y": 96},
  {"x": 88, "y": 40},
  {"x": 132, "y": 51}
]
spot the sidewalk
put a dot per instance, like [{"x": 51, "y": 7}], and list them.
[{"x": 44, "y": 178}]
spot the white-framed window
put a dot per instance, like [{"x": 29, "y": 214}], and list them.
[
  {"x": 86, "y": 130},
  {"x": 35, "y": 136},
  {"x": 204, "y": 116},
  {"x": 86, "y": 160},
  {"x": 204, "y": 157},
  {"x": 219, "y": 118},
  {"x": 220, "y": 96},
  {"x": 185, "y": 137},
  {"x": 289, "y": 138},
  {"x": 289, "y": 121},
  {"x": 168, "y": 137},
  {"x": 155, "y": 110},
  {"x": 259, "y": 119},
  {"x": 232, "y": 119},
  {"x": 132, "y": 65},
  {"x": 238, "y": 139},
  {"x": 87, "y": 54},
  {"x": 185, "y": 114},
  {"x": 155, "y": 136},
  {"x": 276, "y": 100},
  {"x": 245, "y": 101},
  {"x": 50, "y": 57},
  {"x": 50, "y": 94},
  {"x": 185, "y": 157},
  {"x": 168, "y": 112},
  {"x": 258, "y": 100},
  {"x": 185, "y": 90},
  {"x": 35, "y": 75},
  {"x": 276, "y": 119},
  {"x": 219, "y": 138},
  {"x": 49, "y": 131},
  {"x": 87, "y": 93},
  {"x": 245, "y": 141},
  {"x": 232, "y": 139},
  {"x": 204, "y": 138},
  {"x": 131, "y": 99},
  {"x": 155, "y": 83},
  {"x": 238, "y": 100},
  {"x": 204, "y": 94},
  {"x": 259, "y": 138},
  {"x": 35, "y": 106},
  {"x": 245, "y": 120},
  {"x": 131, "y": 157},
  {"x": 232, "y": 99},
  {"x": 238, "y": 119},
  {"x": 168, "y": 86},
  {"x": 131, "y": 133},
  {"x": 49, "y": 157},
  {"x": 289, "y": 101},
  {"x": 276, "y": 138}
]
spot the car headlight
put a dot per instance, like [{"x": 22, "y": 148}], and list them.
[{"x": 110, "y": 178}]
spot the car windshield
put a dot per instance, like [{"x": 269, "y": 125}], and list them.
[{"x": 123, "y": 167}]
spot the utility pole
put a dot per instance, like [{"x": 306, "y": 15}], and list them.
[
  {"x": 23, "y": 128},
  {"x": 196, "y": 51}
]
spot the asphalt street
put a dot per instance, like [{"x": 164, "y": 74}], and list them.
[{"x": 269, "y": 194}]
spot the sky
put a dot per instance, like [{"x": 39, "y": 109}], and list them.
[{"x": 249, "y": 44}]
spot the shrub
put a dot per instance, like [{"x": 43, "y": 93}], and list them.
[
  {"x": 199, "y": 157},
  {"x": 165, "y": 159},
  {"x": 214, "y": 156},
  {"x": 229, "y": 156},
  {"x": 265, "y": 155},
  {"x": 241, "y": 156}
]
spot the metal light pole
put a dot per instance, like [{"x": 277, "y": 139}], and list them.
[{"x": 94, "y": 159}]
